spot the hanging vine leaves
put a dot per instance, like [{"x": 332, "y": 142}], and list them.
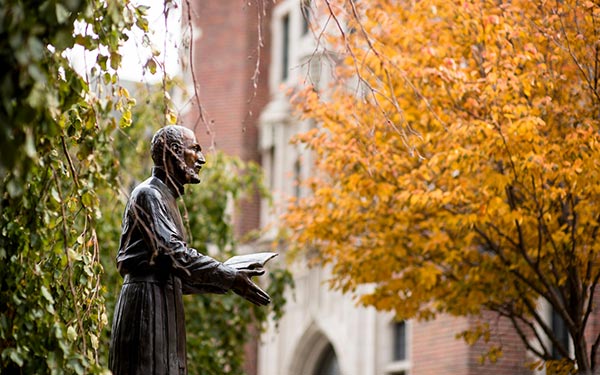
[
  {"x": 219, "y": 326},
  {"x": 56, "y": 158}
]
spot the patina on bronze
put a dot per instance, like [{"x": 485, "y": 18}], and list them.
[{"x": 158, "y": 267}]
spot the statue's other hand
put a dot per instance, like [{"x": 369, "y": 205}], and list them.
[{"x": 244, "y": 287}]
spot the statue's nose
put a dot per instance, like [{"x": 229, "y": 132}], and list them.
[{"x": 201, "y": 159}]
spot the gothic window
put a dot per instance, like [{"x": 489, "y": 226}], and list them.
[
  {"x": 297, "y": 178},
  {"x": 271, "y": 166}
]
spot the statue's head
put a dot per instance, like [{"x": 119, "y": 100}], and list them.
[{"x": 174, "y": 148}]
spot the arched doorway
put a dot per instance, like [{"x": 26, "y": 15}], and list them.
[
  {"x": 328, "y": 363},
  {"x": 314, "y": 354}
]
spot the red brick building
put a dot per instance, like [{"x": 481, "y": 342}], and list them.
[{"x": 226, "y": 49}]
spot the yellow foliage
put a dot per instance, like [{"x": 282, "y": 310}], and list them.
[{"x": 469, "y": 176}]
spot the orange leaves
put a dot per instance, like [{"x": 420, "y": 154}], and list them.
[{"x": 464, "y": 170}]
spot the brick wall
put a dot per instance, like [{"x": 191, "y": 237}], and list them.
[
  {"x": 435, "y": 350},
  {"x": 514, "y": 355},
  {"x": 225, "y": 59}
]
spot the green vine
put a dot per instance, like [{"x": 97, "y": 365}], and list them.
[{"x": 56, "y": 159}]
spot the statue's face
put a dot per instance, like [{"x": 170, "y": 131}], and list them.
[{"x": 192, "y": 158}]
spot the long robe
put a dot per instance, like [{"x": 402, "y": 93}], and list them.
[{"x": 148, "y": 331}]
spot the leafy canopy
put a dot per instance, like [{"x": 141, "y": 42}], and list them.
[{"x": 457, "y": 163}]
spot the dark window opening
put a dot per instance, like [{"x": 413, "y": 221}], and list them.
[
  {"x": 272, "y": 168},
  {"x": 285, "y": 47},
  {"x": 399, "y": 341},
  {"x": 297, "y": 178},
  {"x": 305, "y": 5},
  {"x": 559, "y": 328}
]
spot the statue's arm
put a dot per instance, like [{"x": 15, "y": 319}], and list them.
[{"x": 198, "y": 272}]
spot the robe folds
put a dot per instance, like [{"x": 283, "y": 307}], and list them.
[{"x": 148, "y": 330}]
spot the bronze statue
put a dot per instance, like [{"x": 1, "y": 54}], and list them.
[{"x": 148, "y": 331}]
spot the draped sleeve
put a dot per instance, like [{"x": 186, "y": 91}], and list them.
[{"x": 159, "y": 224}]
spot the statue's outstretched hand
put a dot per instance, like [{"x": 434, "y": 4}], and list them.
[{"x": 243, "y": 286}]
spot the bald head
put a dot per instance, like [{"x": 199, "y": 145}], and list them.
[
  {"x": 175, "y": 149},
  {"x": 166, "y": 143}
]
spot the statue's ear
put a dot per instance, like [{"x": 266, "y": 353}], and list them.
[{"x": 175, "y": 148}]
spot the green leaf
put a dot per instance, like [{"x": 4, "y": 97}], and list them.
[
  {"x": 55, "y": 196},
  {"x": 151, "y": 65},
  {"x": 29, "y": 145},
  {"x": 71, "y": 333},
  {"x": 125, "y": 119},
  {"x": 36, "y": 47},
  {"x": 51, "y": 361},
  {"x": 115, "y": 60},
  {"x": 63, "y": 39},
  {"x": 47, "y": 294},
  {"x": 14, "y": 188},
  {"x": 62, "y": 13},
  {"x": 14, "y": 356},
  {"x": 94, "y": 340},
  {"x": 102, "y": 60}
]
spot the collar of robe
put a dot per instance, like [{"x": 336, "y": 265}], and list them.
[{"x": 174, "y": 186}]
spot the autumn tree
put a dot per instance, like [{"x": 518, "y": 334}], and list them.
[
  {"x": 63, "y": 139},
  {"x": 457, "y": 165}
]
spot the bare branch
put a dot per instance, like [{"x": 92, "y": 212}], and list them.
[{"x": 201, "y": 112}]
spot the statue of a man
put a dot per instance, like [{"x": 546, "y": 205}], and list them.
[{"x": 148, "y": 331}]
